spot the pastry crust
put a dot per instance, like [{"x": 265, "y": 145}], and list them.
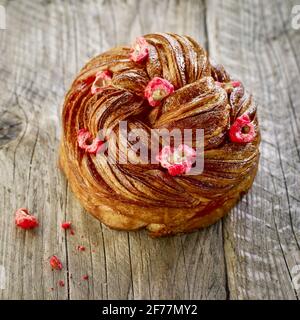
[{"x": 129, "y": 196}]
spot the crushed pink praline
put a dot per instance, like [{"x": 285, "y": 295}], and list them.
[
  {"x": 139, "y": 51},
  {"x": 158, "y": 89},
  {"x": 177, "y": 161},
  {"x": 55, "y": 263},
  {"x": 24, "y": 220},
  {"x": 66, "y": 225},
  {"x": 88, "y": 143},
  {"x": 242, "y": 130},
  {"x": 103, "y": 78}
]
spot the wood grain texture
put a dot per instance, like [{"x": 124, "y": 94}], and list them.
[
  {"x": 256, "y": 42},
  {"x": 250, "y": 254}
]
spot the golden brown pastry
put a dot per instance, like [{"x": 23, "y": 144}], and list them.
[{"x": 162, "y": 81}]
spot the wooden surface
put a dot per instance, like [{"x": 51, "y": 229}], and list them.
[{"x": 253, "y": 253}]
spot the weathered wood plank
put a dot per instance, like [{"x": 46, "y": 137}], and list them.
[
  {"x": 25, "y": 165},
  {"x": 45, "y": 44},
  {"x": 254, "y": 39}
]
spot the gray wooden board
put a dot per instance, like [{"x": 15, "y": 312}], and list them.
[{"x": 253, "y": 253}]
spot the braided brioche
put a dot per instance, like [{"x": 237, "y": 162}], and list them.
[{"x": 192, "y": 93}]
